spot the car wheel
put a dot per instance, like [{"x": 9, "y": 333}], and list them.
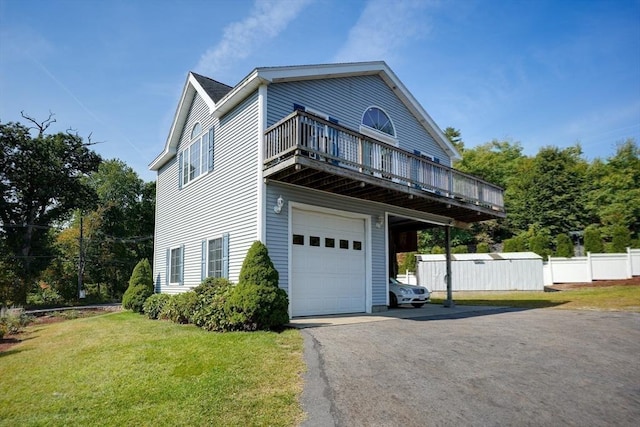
[
  {"x": 393, "y": 301},
  {"x": 417, "y": 304}
]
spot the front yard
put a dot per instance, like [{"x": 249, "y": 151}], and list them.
[{"x": 123, "y": 369}]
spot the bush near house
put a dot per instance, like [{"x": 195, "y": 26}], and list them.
[
  {"x": 255, "y": 303},
  {"x": 210, "y": 311},
  {"x": 180, "y": 308},
  {"x": 153, "y": 305},
  {"x": 140, "y": 287}
]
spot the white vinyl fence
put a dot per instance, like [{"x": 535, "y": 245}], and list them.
[
  {"x": 592, "y": 267},
  {"x": 482, "y": 272}
]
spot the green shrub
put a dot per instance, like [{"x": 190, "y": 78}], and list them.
[
  {"x": 153, "y": 305},
  {"x": 437, "y": 250},
  {"x": 540, "y": 244},
  {"x": 252, "y": 307},
  {"x": 564, "y": 246},
  {"x": 44, "y": 296},
  {"x": 257, "y": 302},
  {"x": 620, "y": 239},
  {"x": 14, "y": 319},
  {"x": 483, "y": 248},
  {"x": 180, "y": 308},
  {"x": 257, "y": 267},
  {"x": 593, "y": 240},
  {"x": 140, "y": 287},
  {"x": 210, "y": 313},
  {"x": 460, "y": 249},
  {"x": 3, "y": 330}
]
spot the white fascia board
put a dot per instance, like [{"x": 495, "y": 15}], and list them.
[
  {"x": 191, "y": 86},
  {"x": 268, "y": 75}
]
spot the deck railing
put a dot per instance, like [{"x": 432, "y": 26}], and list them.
[{"x": 323, "y": 140}]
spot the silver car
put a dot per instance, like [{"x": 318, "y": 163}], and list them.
[{"x": 401, "y": 293}]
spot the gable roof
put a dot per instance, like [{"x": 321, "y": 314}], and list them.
[
  {"x": 214, "y": 89},
  {"x": 221, "y": 98}
]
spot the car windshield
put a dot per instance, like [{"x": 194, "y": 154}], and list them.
[{"x": 394, "y": 281}]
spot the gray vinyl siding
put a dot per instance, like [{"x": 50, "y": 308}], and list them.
[
  {"x": 346, "y": 99},
  {"x": 278, "y": 233},
  {"x": 221, "y": 201}
]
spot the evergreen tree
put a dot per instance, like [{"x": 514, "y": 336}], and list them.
[
  {"x": 593, "y": 240},
  {"x": 564, "y": 246}
]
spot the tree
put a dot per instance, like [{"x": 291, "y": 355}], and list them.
[
  {"x": 495, "y": 161},
  {"x": 593, "y": 240},
  {"x": 453, "y": 135},
  {"x": 621, "y": 239},
  {"x": 41, "y": 179},
  {"x": 125, "y": 232},
  {"x": 564, "y": 246},
  {"x": 614, "y": 196},
  {"x": 548, "y": 191}
]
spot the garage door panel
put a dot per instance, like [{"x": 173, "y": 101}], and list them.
[{"x": 328, "y": 268}]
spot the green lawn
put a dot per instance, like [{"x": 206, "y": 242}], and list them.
[
  {"x": 123, "y": 369},
  {"x": 616, "y": 298}
]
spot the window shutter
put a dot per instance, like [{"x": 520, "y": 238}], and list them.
[
  {"x": 203, "y": 266},
  {"x": 182, "y": 265},
  {"x": 225, "y": 255},
  {"x": 168, "y": 268},
  {"x": 210, "y": 150},
  {"x": 180, "y": 170}
]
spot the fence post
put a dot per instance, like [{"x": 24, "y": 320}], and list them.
[
  {"x": 589, "y": 267},
  {"x": 550, "y": 265},
  {"x": 629, "y": 264}
]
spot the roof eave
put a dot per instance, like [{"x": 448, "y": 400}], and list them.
[{"x": 191, "y": 86}]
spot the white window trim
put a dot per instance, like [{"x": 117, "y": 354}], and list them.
[
  {"x": 209, "y": 240},
  {"x": 204, "y": 155},
  {"x": 375, "y": 133},
  {"x": 170, "y": 261}
]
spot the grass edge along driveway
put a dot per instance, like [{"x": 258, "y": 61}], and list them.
[{"x": 124, "y": 369}]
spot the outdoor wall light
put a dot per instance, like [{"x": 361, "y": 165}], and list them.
[
  {"x": 279, "y": 204},
  {"x": 379, "y": 221}
]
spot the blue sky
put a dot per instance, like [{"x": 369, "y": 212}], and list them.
[{"x": 540, "y": 72}]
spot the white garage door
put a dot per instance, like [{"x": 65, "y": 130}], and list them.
[{"x": 328, "y": 264}]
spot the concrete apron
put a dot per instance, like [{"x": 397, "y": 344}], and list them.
[{"x": 429, "y": 311}]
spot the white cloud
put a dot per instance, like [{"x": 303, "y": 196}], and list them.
[
  {"x": 266, "y": 20},
  {"x": 383, "y": 27}
]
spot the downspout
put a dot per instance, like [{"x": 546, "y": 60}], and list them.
[{"x": 261, "y": 233}]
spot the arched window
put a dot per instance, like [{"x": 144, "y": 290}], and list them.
[
  {"x": 195, "y": 131},
  {"x": 376, "y": 118},
  {"x": 197, "y": 158}
]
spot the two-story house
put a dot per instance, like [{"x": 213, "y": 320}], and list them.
[{"x": 332, "y": 166}]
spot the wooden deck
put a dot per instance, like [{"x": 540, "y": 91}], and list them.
[{"x": 311, "y": 152}]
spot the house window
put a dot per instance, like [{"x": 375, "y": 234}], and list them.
[
  {"x": 215, "y": 265},
  {"x": 215, "y": 257},
  {"x": 175, "y": 265},
  {"x": 197, "y": 158},
  {"x": 376, "y": 118}
]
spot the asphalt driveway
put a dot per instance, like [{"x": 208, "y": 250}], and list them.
[{"x": 542, "y": 367}]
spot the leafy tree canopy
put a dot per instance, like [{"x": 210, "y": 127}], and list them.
[{"x": 41, "y": 179}]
